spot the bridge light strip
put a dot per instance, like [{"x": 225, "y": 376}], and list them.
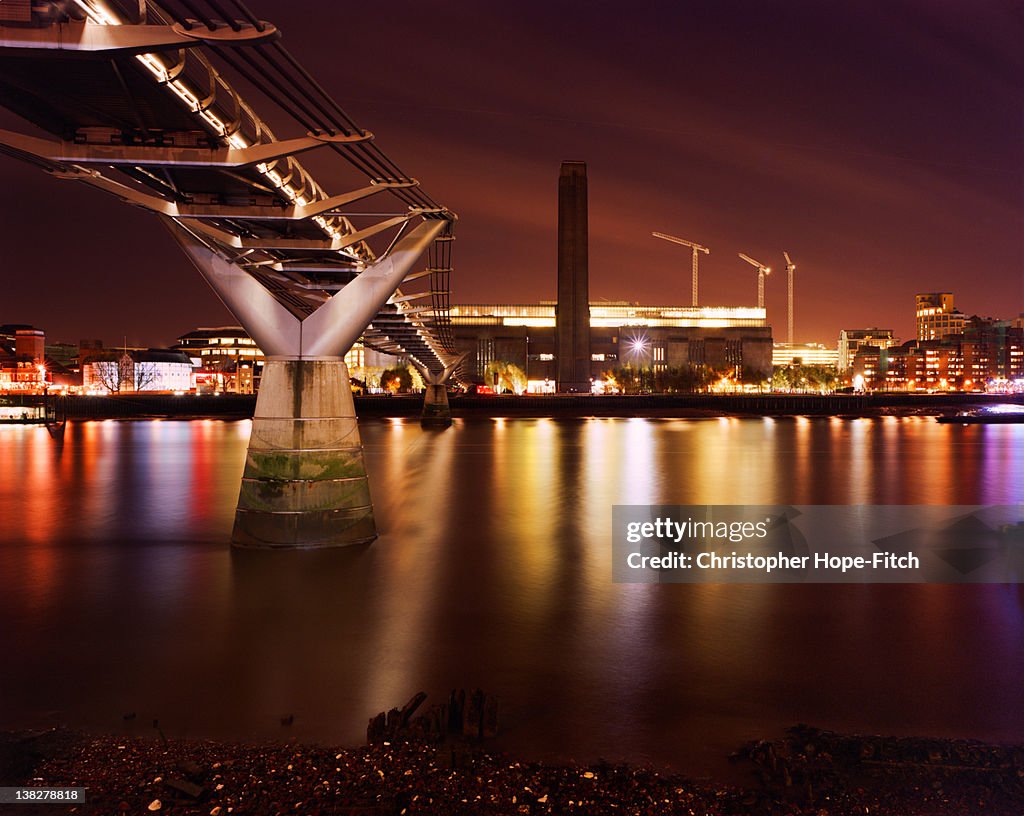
[{"x": 100, "y": 15}]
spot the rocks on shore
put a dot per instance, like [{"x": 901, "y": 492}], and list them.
[
  {"x": 816, "y": 768},
  {"x": 808, "y": 772}
]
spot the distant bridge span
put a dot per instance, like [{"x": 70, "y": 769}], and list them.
[{"x": 138, "y": 99}]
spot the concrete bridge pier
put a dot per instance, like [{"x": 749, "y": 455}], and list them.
[
  {"x": 305, "y": 482},
  {"x": 437, "y": 412}
]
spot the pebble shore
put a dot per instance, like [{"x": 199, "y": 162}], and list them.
[{"x": 807, "y": 772}]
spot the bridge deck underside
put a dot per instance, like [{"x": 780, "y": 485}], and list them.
[{"x": 111, "y": 99}]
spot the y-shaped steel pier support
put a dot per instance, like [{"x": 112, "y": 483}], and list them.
[{"x": 437, "y": 413}]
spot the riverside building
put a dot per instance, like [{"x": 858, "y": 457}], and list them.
[{"x": 729, "y": 340}]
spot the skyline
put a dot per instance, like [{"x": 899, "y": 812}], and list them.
[{"x": 880, "y": 145}]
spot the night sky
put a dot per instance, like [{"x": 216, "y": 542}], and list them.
[{"x": 880, "y": 143}]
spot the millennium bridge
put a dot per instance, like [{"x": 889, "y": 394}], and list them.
[{"x": 139, "y": 100}]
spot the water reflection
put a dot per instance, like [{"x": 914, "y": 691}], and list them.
[{"x": 493, "y": 569}]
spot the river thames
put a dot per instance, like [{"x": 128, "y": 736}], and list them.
[{"x": 121, "y": 594}]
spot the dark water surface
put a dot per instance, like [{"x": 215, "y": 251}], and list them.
[{"x": 120, "y": 593}]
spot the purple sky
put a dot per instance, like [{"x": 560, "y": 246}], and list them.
[{"x": 880, "y": 143}]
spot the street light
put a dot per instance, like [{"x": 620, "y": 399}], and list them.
[{"x": 527, "y": 362}]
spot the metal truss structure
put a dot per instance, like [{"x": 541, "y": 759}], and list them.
[{"x": 139, "y": 99}]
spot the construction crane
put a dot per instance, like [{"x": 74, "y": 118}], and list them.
[
  {"x": 790, "y": 269},
  {"x": 696, "y": 249},
  {"x": 762, "y": 270}
]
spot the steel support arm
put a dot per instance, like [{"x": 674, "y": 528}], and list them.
[
  {"x": 439, "y": 377},
  {"x": 129, "y": 39},
  {"x": 171, "y": 155},
  {"x": 265, "y": 213},
  {"x": 335, "y": 326},
  {"x": 275, "y": 329},
  {"x": 304, "y": 244}
]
